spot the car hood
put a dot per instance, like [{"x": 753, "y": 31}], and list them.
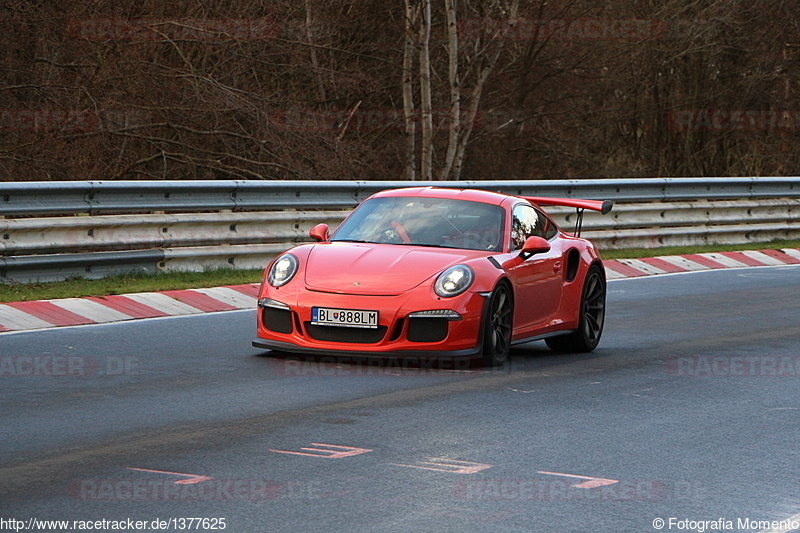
[{"x": 375, "y": 269}]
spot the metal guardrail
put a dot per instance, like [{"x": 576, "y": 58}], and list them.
[
  {"x": 657, "y": 224},
  {"x": 70, "y": 234},
  {"x": 102, "y": 197},
  {"x": 57, "y": 230}
]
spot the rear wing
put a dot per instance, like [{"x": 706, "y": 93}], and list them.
[{"x": 602, "y": 206}]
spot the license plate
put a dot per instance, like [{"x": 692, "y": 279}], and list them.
[{"x": 351, "y": 318}]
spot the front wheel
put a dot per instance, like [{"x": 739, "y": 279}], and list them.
[
  {"x": 592, "y": 318},
  {"x": 497, "y": 326}
]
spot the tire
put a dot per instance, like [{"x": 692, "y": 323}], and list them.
[
  {"x": 592, "y": 316},
  {"x": 497, "y": 326}
]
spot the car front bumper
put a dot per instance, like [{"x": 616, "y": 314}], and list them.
[{"x": 404, "y": 329}]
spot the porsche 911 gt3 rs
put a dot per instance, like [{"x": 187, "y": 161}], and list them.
[{"x": 431, "y": 271}]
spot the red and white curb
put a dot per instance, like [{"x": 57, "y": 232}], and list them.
[
  {"x": 671, "y": 264},
  {"x": 41, "y": 314}
]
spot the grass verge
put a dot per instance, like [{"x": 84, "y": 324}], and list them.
[
  {"x": 76, "y": 288},
  {"x": 126, "y": 284}
]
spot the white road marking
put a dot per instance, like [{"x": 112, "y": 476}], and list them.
[
  {"x": 92, "y": 310},
  {"x": 763, "y": 258},
  {"x": 163, "y": 303},
  {"x": 647, "y": 268},
  {"x": 14, "y": 319},
  {"x": 724, "y": 260},
  {"x": 230, "y": 297},
  {"x": 684, "y": 263},
  {"x": 791, "y": 252}
]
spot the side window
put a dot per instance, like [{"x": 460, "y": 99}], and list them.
[
  {"x": 530, "y": 222},
  {"x": 549, "y": 228},
  {"x": 526, "y": 223}
]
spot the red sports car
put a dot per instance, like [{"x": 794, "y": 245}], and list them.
[{"x": 437, "y": 272}]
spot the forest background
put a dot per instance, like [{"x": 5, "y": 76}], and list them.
[{"x": 398, "y": 89}]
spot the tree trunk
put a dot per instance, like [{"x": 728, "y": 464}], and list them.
[
  {"x": 412, "y": 13},
  {"x": 313, "y": 50},
  {"x": 483, "y": 73},
  {"x": 455, "y": 88},
  {"x": 426, "y": 115}
]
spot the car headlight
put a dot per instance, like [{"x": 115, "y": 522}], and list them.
[
  {"x": 283, "y": 270},
  {"x": 454, "y": 281}
]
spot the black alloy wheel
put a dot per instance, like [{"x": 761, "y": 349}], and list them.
[
  {"x": 498, "y": 326},
  {"x": 592, "y": 317}
]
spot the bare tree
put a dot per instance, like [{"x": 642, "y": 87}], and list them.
[
  {"x": 409, "y": 108},
  {"x": 424, "y": 89},
  {"x": 426, "y": 106},
  {"x": 486, "y": 62},
  {"x": 490, "y": 21},
  {"x": 455, "y": 87}
]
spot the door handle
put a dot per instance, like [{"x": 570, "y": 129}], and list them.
[{"x": 557, "y": 267}]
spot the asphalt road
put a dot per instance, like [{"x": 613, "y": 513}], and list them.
[{"x": 688, "y": 412}]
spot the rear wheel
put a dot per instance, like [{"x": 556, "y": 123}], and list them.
[
  {"x": 497, "y": 326},
  {"x": 592, "y": 318}
]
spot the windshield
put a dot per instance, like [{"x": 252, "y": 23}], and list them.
[{"x": 417, "y": 221}]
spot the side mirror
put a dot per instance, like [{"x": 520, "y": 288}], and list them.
[
  {"x": 320, "y": 233},
  {"x": 535, "y": 245}
]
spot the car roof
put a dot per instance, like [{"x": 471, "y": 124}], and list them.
[{"x": 472, "y": 195}]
